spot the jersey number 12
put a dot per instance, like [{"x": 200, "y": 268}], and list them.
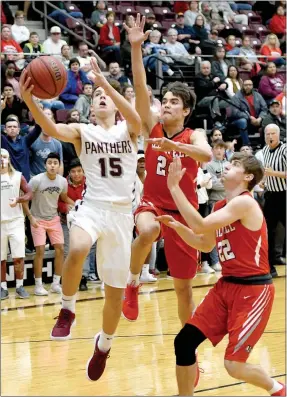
[{"x": 111, "y": 166}]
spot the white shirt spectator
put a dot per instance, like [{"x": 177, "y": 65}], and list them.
[
  {"x": 53, "y": 48},
  {"x": 20, "y": 33},
  {"x": 229, "y": 91},
  {"x": 206, "y": 180},
  {"x": 176, "y": 49}
]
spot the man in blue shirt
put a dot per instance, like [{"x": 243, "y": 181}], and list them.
[
  {"x": 185, "y": 32},
  {"x": 18, "y": 146}
]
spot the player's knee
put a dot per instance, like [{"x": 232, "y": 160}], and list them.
[
  {"x": 185, "y": 345},
  {"x": 183, "y": 289},
  {"x": 233, "y": 368},
  {"x": 149, "y": 234},
  {"x": 77, "y": 254}
]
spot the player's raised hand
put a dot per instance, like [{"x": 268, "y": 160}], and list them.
[
  {"x": 26, "y": 87},
  {"x": 136, "y": 33},
  {"x": 97, "y": 76},
  {"x": 162, "y": 144},
  {"x": 168, "y": 220},
  {"x": 175, "y": 173}
]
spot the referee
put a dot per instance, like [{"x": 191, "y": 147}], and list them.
[{"x": 274, "y": 155}]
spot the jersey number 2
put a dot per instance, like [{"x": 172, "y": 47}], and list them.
[
  {"x": 224, "y": 251},
  {"x": 161, "y": 165},
  {"x": 114, "y": 167}
]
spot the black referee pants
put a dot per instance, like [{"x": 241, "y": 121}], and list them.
[{"x": 274, "y": 212}]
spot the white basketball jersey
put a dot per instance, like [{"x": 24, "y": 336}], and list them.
[
  {"x": 109, "y": 159},
  {"x": 10, "y": 188}
]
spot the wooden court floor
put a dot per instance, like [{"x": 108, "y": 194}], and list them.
[{"x": 141, "y": 360}]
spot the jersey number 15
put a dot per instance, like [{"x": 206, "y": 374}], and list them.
[{"x": 111, "y": 166}]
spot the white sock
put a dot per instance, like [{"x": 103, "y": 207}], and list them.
[
  {"x": 19, "y": 283},
  {"x": 170, "y": 72},
  {"x": 276, "y": 387},
  {"x": 4, "y": 285},
  {"x": 134, "y": 278},
  {"x": 38, "y": 281},
  {"x": 69, "y": 302},
  {"x": 105, "y": 342},
  {"x": 56, "y": 279},
  {"x": 145, "y": 270}
]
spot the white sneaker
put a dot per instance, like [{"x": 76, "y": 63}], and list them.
[
  {"x": 56, "y": 288},
  {"x": 40, "y": 290},
  {"x": 206, "y": 268},
  {"x": 217, "y": 267},
  {"x": 148, "y": 278}
]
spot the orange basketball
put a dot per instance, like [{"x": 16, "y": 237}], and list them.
[{"x": 48, "y": 75}]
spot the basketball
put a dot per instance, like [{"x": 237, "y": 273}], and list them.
[{"x": 48, "y": 75}]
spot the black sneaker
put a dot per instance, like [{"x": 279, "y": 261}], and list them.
[
  {"x": 4, "y": 293},
  {"x": 22, "y": 293},
  {"x": 83, "y": 284}
]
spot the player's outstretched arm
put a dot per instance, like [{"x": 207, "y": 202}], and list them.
[
  {"x": 201, "y": 242},
  {"x": 62, "y": 132},
  {"x": 129, "y": 113},
  {"x": 136, "y": 38},
  {"x": 237, "y": 209}
]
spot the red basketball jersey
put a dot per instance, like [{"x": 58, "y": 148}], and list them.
[
  {"x": 157, "y": 163},
  {"x": 242, "y": 252}
]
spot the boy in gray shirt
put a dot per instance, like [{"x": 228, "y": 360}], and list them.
[{"x": 47, "y": 187}]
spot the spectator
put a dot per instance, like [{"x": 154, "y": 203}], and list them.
[
  {"x": 53, "y": 44},
  {"x": 18, "y": 146},
  {"x": 152, "y": 48},
  {"x": 248, "y": 112},
  {"x": 277, "y": 24},
  {"x": 215, "y": 134},
  {"x": 125, "y": 43},
  {"x": 6, "y": 13},
  {"x": 10, "y": 72},
  {"x": 249, "y": 61},
  {"x": 74, "y": 115},
  {"x": 63, "y": 14},
  {"x": 116, "y": 74},
  {"x": 69, "y": 152},
  {"x": 85, "y": 56},
  {"x": 180, "y": 6},
  {"x": 12, "y": 104},
  {"x": 234, "y": 82},
  {"x": 47, "y": 188},
  {"x": 274, "y": 116},
  {"x": 191, "y": 14},
  {"x": 239, "y": 6},
  {"x": 207, "y": 87},
  {"x": 13, "y": 184},
  {"x": 174, "y": 47},
  {"x": 209, "y": 45},
  {"x": 219, "y": 65},
  {"x": 98, "y": 17},
  {"x": 150, "y": 22},
  {"x": 33, "y": 47},
  {"x": 274, "y": 161},
  {"x": 282, "y": 99},
  {"x": 110, "y": 38},
  {"x": 271, "y": 49},
  {"x": 230, "y": 47},
  {"x": 155, "y": 104},
  {"x": 76, "y": 79},
  {"x": 84, "y": 103},
  {"x": 216, "y": 168},
  {"x": 41, "y": 149},
  {"x": 93, "y": 117},
  {"x": 184, "y": 32},
  {"x": 271, "y": 84},
  {"x": 228, "y": 15},
  {"x": 66, "y": 55},
  {"x": 129, "y": 94},
  {"x": 199, "y": 32},
  {"x": 11, "y": 48},
  {"x": 20, "y": 33},
  {"x": 53, "y": 104}
]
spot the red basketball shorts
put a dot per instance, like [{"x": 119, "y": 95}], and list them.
[
  {"x": 241, "y": 311},
  {"x": 180, "y": 257}
]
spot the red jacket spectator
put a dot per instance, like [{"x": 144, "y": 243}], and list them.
[
  {"x": 3, "y": 16},
  {"x": 180, "y": 6},
  {"x": 104, "y": 35},
  {"x": 278, "y": 22},
  {"x": 75, "y": 193},
  {"x": 267, "y": 51}
]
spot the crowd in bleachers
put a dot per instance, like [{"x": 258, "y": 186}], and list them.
[{"x": 234, "y": 52}]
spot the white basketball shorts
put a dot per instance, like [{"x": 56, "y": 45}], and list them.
[
  {"x": 14, "y": 233},
  {"x": 113, "y": 232}
]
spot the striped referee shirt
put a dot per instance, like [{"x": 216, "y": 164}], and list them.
[{"x": 276, "y": 159}]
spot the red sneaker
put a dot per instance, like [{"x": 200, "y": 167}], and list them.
[
  {"x": 281, "y": 392},
  {"x": 97, "y": 363},
  {"x": 62, "y": 328},
  {"x": 131, "y": 304}
]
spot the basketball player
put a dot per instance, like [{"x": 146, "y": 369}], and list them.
[
  {"x": 108, "y": 154},
  {"x": 240, "y": 303},
  {"x": 13, "y": 223},
  {"x": 168, "y": 139}
]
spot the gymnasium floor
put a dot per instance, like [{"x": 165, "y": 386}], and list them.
[{"x": 142, "y": 359}]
